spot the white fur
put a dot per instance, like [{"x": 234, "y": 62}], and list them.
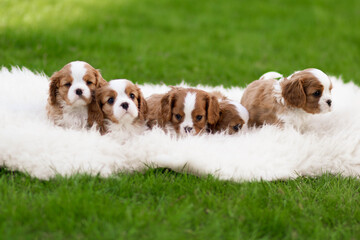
[
  {"x": 73, "y": 116},
  {"x": 243, "y": 112},
  {"x": 271, "y": 75},
  {"x": 30, "y": 143},
  {"x": 189, "y": 106}
]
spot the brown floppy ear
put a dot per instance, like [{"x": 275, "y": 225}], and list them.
[
  {"x": 53, "y": 88},
  {"x": 167, "y": 103},
  {"x": 293, "y": 92},
  {"x": 143, "y": 108},
  {"x": 95, "y": 114},
  {"x": 213, "y": 109},
  {"x": 100, "y": 81}
]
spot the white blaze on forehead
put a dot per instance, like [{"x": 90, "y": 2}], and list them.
[
  {"x": 78, "y": 71},
  {"x": 119, "y": 86},
  {"x": 189, "y": 106},
  {"x": 323, "y": 78},
  {"x": 243, "y": 112}
]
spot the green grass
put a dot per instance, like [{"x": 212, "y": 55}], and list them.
[
  {"x": 164, "y": 205},
  {"x": 207, "y": 41}
]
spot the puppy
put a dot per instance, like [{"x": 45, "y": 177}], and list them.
[
  {"x": 288, "y": 100},
  {"x": 187, "y": 111},
  {"x": 71, "y": 93},
  {"x": 233, "y": 116},
  {"x": 122, "y": 107}
]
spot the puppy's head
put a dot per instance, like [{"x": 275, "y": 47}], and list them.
[
  {"x": 233, "y": 117},
  {"x": 74, "y": 84},
  {"x": 189, "y": 110},
  {"x": 122, "y": 102},
  {"x": 309, "y": 90}
]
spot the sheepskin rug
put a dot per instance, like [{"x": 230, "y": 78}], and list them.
[{"x": 30, "y": 143}]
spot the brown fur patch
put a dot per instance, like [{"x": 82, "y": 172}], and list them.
[
  {"x": 298, "y": 91},
  {"x": 139, "y": 99},
  {"x": 259, "y": 100}
]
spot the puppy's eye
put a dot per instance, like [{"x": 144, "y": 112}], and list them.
[
  {"x": 89, "y": 83},
  {"x": 237, "y": 127},
  {"x": 67, "y": 84},
  {"x": 199, "y": 117},
  {"x": 110, "y": 101},
  {"x": 178, "y": 117},
  {"x": 317, "y": 93},
  {"x": 132, "y": 96}
]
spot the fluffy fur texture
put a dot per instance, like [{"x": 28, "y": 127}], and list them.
[
  {"x": 187, "y": 111},
  {"x": 122, "y": 107},
  {"x": 30, "y": 143},
  {"x": 288, "y": 100},
  {"x": 71, "y": 95}
]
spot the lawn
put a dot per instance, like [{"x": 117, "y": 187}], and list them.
[{"x": 209, "y": 42}]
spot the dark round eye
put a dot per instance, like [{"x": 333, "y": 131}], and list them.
[
  {"x": 88, "y": 83},
  {"x": 178, "y": 117},
  {"x": 317, "y": 93},
  {"x": 237, "y": 127},
  {"x": 199, "y": 117},
  {"x": 68, "y": 84},
  {"x": 110, "y": 100},
  {"x": 132, "y": 96}
]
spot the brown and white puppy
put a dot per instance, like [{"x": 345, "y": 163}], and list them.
[
  {"x": 188, "y": 111},
  {"x": 122, "y": 106},
  {"x": 233, "y": 116},
  {"x": 71, "y": 92},
  {"x": 288, "y": 100}
]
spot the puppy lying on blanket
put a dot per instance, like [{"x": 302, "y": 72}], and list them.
[
  {"x": 288, "y": 100},
  {"x": 71, "y": 94}
]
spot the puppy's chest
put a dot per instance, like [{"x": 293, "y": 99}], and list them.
[{"x": 75, "y": 117}]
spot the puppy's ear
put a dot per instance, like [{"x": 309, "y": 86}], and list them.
[
  {"x": 53, "y": 87},
  {"x": 100, "y": 81},
  {"x": 167, "y": 103},
  {"x": 293, "y": 92},
  {"x": 95, "y": 114},
  {"x": 142, "y": 105},
  {"x": 213, "y": 109}
]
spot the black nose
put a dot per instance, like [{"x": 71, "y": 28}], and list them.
[
  {"x": 79, "y": 92},
  {"x": 125, "y": 105},
  {"x": 329, "y": 102},
  {"x": 188, "y": 129}
]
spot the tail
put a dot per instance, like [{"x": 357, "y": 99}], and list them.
[{"x": 271, "y": 75}]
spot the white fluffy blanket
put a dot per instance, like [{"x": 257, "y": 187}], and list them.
[{"x": 30, "y": 143}]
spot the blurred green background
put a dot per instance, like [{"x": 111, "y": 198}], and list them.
[{"x": 210, "y": 42}]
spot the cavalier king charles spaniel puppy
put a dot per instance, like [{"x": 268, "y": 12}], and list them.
[
  {"x": 122, "y": 106},
  {"x": 71, "y": 94},
  {"x": 187, "y": 111},
  {"x": 288, "y": 100},
  {"x": 233, "y": 116}
]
